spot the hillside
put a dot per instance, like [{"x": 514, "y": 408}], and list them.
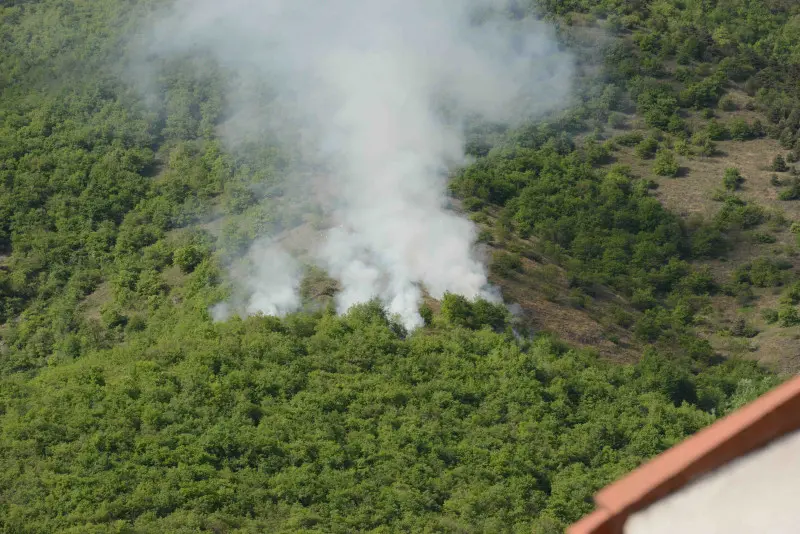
[{"x": 644, "y": 239}]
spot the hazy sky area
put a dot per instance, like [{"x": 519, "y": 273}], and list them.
[{"x": 378, "y": 90}]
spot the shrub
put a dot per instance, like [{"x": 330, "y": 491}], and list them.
[
  {"x": 740, "y": 328},
  {"x": 112, "y": 317},
  {"x": 779, "y": 164},
  {"x": 665, "y": 163},
  {"x": 740, "y": 130},
  {"x": 716, "y": 131},
  {"x": 629, "y": 139},
  {"x": 762, "y": 272},
  {"x": 770, "y": 315},
  {"x": 647, "y": 148},
  {"x": 732, "y": 180},
  {"x": 761, "y": 237},
  {"x": 705, "y": 145},
  {"x": 505, "y": 263},
  {"x": 682, "y": 147},
  {"x": 727, "y": 103},
  {"x": 457, "y": 310},
  {"x": 426, "y": 313},
  {"x": 788, "y": 316},
  {"x": 792, "y": 193},
  {"x": 792, "y": 295},
  {"x": 617, "y": 120},
  {"x": 735, "y": 213}
]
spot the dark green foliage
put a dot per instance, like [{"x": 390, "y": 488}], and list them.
[
  {"x": 629, "y": 139},
  {"x": 188, "y": 257},
  {"x": 740, "y": 130},
  {"x": 788, "y": 316},
  {"x": 505, "y": 263},
  {"x": 647, "y": 148},
  {"x": 770, "y": 315},
  {"x": 716, "y": 131},
  {"x": 426, "y": 312},
  {"x": 763, "y": 238},
  {"x": 779, "y": 164},
  {"x": 459, "y": 311},
  {"x": 736, "y": 213},
  {"x": 268, "y": 423},
  {"x": 124, "y": 408},
  {"x": 762, "y": 272},
  {"x": 792, "y": 192},
  {"x": 732, "y": 180},
  {"x": 740, "y": 328}
]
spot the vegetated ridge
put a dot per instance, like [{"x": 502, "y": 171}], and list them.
[{"x": 642, "y": 232}]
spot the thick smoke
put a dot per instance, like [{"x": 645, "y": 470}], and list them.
[{"x": 377, "y": 91}]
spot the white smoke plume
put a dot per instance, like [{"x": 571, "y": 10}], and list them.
[{"x": 377, "y": 90}]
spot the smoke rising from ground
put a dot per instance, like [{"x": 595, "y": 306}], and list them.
[{"x": 377, "y": 91}]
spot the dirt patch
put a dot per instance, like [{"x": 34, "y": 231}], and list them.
[
  {"x": 93, "y": 303},
  {"x": 541, "y": 290}
]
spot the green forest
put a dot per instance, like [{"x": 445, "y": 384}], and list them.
[{"x": 659, "y": 213}]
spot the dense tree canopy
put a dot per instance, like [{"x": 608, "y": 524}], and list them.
[{"x": 125, "y": 408}]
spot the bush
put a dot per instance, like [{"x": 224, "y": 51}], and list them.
[
  {"x": 762, "y": 238},
  {"x": 665, "y": 163},
  {"x": 629, "y": 139},
  {"x": 726, "y": 103},
  {"x": 716, "y": 131},
  {"x": 762, "y": 272},
  {"x": 740, "y": 328},
  {"x": 647, "y": 148},
  {"x": 735, "y": 213},
  {"x": 788, "y": 316},
  {"x": 769, "y": 315},
  {"x": 617, "y": 120},
  {"x": 682, "y": 147},
  {"x": 792, "y": 193},
  {"x": 732, "y": 180},
  {"x": 426, "y": 313},
  {"x": 112, "y": 317},
  {"x": 779, "y": 164},
  {"x": 705, "y": 145},
  {"x": 505, "y": 263},
  {"x": 457, "y": 310},
  {"x": 740, "y": 130}
]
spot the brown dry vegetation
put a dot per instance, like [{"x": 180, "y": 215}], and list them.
[{"x": 547, "y": 307}]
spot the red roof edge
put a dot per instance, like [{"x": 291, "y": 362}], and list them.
[{"x": 769, "y": 417}]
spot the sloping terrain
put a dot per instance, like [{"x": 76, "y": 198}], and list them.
[{"x": 645, "y": 286}]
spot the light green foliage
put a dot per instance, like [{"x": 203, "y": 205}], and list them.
[
  {"x": 264, "y": 423},
  {"x": 124, "y": 408},
  {"x": 665, "y": 163}
]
